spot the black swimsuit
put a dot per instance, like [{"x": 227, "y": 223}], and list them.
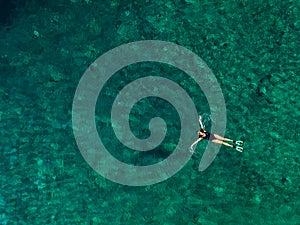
[{"x": 207, "y": 136}]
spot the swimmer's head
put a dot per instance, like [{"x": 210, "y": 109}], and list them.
[{"x": 200, "y": 134}]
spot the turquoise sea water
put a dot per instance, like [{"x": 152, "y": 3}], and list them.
[{"x": 252, "y": 47}]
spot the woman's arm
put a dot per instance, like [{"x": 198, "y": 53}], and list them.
[
  {"x": 200, "y": 122},
  {"x": 192, "y": 145}
]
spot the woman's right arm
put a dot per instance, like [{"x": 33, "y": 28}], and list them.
[{"x": 192, "y": 145}]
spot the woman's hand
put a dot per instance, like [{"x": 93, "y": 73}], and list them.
[
  {"x": 200, "y": 118},
  {"x": 191, "y": 149}
]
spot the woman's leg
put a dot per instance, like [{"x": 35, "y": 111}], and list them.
[
  {"x": 222, "y": 143},
  {"x": 238, "y": 148},
  {"x": 222, "y": 138}
]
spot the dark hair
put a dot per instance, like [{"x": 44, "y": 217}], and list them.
[{"x": 200, "y": 135}]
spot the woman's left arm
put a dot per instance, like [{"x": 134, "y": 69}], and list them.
[{"x": 200, "y": 122}]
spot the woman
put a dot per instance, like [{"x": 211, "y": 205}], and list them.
[{"x": 202, "y": 134}]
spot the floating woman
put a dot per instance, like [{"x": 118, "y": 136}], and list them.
[{"x": 203, "y": 134}]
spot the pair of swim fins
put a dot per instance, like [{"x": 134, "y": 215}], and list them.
[{"x": 239, "y": 145}]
